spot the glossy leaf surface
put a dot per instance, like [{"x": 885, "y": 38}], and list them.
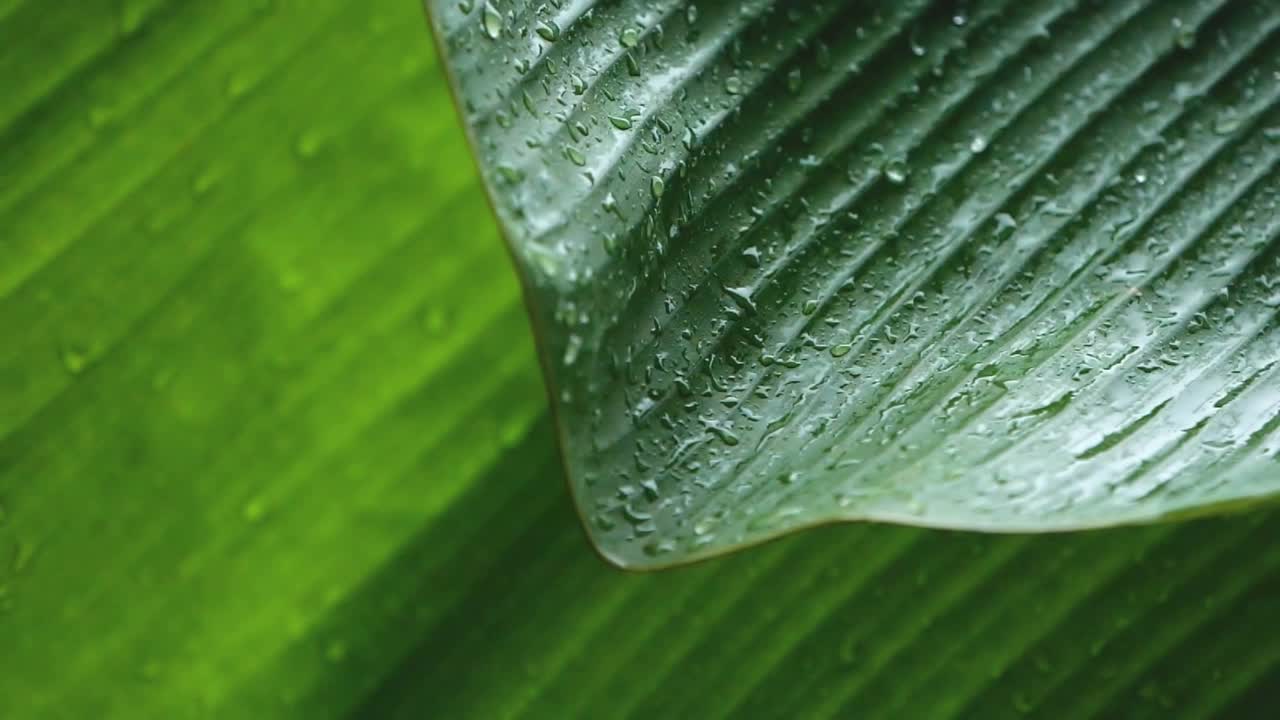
[{"x": 992, "y": 265}]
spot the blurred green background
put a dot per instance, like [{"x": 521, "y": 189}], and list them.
[{"x": 273, "y": 440}]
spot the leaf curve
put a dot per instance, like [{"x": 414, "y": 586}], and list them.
[{"x": 992, "y": 265}]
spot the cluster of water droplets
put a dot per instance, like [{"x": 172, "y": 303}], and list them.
[{"x": 797, "y": 264}]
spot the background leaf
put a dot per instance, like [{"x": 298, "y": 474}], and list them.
[
  {"x": 996, "y": 265},
  {"x": 258, "y": 332},
  {"x": 273, "y": 442}
]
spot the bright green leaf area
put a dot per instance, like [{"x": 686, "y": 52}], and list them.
[
  {"x": 1010, "y": 265},
  {"x": 274, "y": 442}
]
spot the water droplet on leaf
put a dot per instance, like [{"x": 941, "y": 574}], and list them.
[
  {"x": 895, "y": 171},
  {"x": 74, "y": 359},
  {"x": 794, "y": 80},
  {"x": 575, "y": 155},
  {"x": 491, "y": 20},
  {"x": 548, "y": 30}
]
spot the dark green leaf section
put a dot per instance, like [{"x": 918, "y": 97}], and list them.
[
  {"x": 996, "y": 265},
  {"x": 846, "y": 621}
]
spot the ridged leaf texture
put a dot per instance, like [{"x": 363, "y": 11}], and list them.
[{"x": 990, "y": 265}]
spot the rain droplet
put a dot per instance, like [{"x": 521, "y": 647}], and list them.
[
  {"x": 22, "y": 556},
  {"x": 575, "y": 155},
  {"x": 635, "y": 515},
  {"x": 916, "y": 48},
  {"x": 204, "y": 182},
  {"x": 572, "y": 348},
  {"x": 657, "y": 187},
  {"x": 794, "y": 80},
  {"x": 1227, "y": 123},
  {"x": 630, "y": 37},
  {"x": 1186, "y": 37},
  {"x": 688, "y": 140},
  {"x": 722, "y": 431},
  {"x": 896, "y": 171},
  {"x": 509, "y": 173},
  {"x": 491, "y": 19},
  {"x": 74, "y": 359},
  {"x": 742, "y": 296},
  {"x": 254, "y": 510},
  {"x": 620, "y": 122},
  {"x": 733, "y": 85},
  {"x": 308, "y": 144},
  {"x": 238, "y": 84},
  {"x": 548, "y": 30},
  {"x": 659, "y": 547}
]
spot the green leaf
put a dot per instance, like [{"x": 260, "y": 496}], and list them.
[
  {"x": 257, "y": 332},
  {"x": 994, "y": 265},
  {"x": 273, "y": 442}
]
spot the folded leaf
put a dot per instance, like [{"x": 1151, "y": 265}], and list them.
[{"x": 995, "y": 265}]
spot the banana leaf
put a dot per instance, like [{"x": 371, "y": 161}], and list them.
[
  {"x": 1007, "y": 266},
  {"x": 274, "y": 440}
]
